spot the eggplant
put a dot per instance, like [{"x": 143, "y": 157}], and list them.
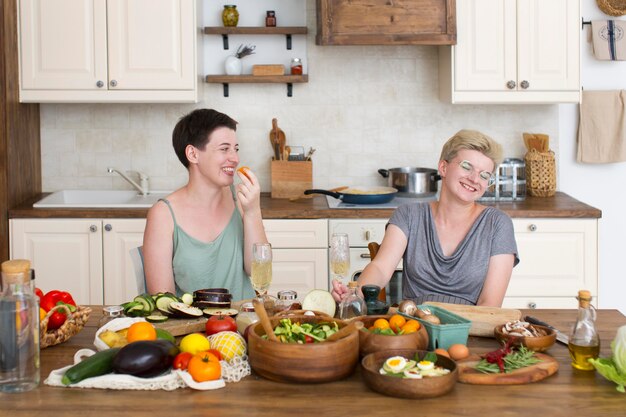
[{"x": 145, "y": 358}]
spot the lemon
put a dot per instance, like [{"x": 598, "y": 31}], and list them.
[
  {"x": 194, "y": 343},
  {"x": 229, "y": 344}
]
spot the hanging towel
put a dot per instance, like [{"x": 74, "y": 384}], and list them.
[
  {"x": 602, "y": 127},
  {"x": 609, "y": 39}
]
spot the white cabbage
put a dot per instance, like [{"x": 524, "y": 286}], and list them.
[{"x": 618, "y": 346}]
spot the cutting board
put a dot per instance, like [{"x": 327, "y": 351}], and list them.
[
  {"x": 483, "y": 319},
  {"x": 180, "y": 327},
  {"x": 533, "y": 373}
]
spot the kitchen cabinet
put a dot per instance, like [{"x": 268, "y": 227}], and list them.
[
  {"x": 558, "y": 257},
  {"x": 88, "y": 257},
  {"x": 382, "y": 22},
  {"x": 300, "y": 254},
  {"x": 108, "y": 50},
  {"x": 513, "y": 51}
]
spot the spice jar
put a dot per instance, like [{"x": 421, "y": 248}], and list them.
[
  {"x": 270, "y": 19},
  {"x": 287, "y": 301},
  {"x": 110, "y": 313},
  {"x": 230, "y": 15},
  {"x": 296, "y": 66},
  {"x": 245, "y": 318}
]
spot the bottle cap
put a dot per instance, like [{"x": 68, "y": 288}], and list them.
[
  {"x": 353, "y": 284},
  {"x": 584, "y": 298},
  {"x": 16, "y": 266}
]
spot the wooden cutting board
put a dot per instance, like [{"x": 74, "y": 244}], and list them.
[
  {"x": 483, "y": 319},
  {"x": 180, "y": 327},
  {"x": 468, "y": 375}
]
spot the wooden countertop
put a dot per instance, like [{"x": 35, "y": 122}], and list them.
[
  {"x": 568, "y": 391},
  {"x": 560, "y": 205}
]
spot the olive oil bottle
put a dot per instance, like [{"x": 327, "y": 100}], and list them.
[{"x": 584, "y": 342}]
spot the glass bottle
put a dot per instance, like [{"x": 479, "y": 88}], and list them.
[
  {"x": 584, "y": 342},
  {"x": 296, "y": 66},
  {"x": 230, "y": 15},
  {"x": 19, "y": 328},
  {"x": 110, "y": 313},
  {"x": 246, "y": 317},
  {"x": 353, "y": 305},
  {"x": 270, "y": 19}
]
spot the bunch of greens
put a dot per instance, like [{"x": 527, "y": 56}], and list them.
[
  {"x": 288, "y": 332},
  {"x": 614, "y": 368},
  {"x": 507, "y": 360}
]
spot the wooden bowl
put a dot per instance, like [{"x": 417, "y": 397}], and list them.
[
  {"x": 370, "y": 342},
  {"x": 537, "y": 343},
  {"x": 293, "y": 313},
  {"x": 307, "y": 363},
  {"x": 405, "y": 387}
]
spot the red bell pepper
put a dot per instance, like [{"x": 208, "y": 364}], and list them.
[
  {"x": 51, "y": 300},
  {"x": 39, "y": 294}
]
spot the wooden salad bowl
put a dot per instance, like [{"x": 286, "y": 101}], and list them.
[
  {"x": 537, "y": 343},
  {"x": 305, "y": 363},
  {"x": 404, "y": 387},
  {"x": 370, "y": 342}
]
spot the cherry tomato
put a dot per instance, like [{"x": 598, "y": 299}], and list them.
[
  {"x": 216, "y": 324},
  {"x": 181, "y": 361},
  {"x": 308, "y": 339},
  {"x": 204, "y": 367}
]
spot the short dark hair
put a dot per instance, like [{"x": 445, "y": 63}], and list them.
[{"x": 195, "y": 128}]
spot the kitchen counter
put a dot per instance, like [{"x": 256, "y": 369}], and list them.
[
  {"x": 560, "y": 205},
  {"x": 567, "y": 392}
]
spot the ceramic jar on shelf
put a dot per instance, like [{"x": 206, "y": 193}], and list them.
[{"x": 233, "y": 65}]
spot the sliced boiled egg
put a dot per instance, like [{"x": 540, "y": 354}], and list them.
[
  {"x": 395, "y": 364},
  {"x": 425, "y": 365},
  {"x": 413, "y": 373}
]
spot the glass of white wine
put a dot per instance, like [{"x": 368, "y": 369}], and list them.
[
  {"x": 340, "y": 257},
  {"x": 261, "y": 276}
]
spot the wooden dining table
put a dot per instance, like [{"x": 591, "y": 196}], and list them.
[{"x": 568, "y": 392}]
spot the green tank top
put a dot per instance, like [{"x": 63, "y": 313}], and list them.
[{"x": 217, "y": 264}]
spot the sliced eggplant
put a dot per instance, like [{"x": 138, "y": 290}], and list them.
[
  {"x": 182, "y": 310},
  {"x": 220, "y": 312}
]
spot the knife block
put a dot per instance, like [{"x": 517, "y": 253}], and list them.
[{"x": 291, "y": 178}]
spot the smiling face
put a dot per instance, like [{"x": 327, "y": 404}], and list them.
[
  {"x": 463, "y": 180},
  {"x": 218, "y": 160}
]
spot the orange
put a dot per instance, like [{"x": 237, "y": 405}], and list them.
[
  {"x": 411, "y": 326},
  {"x": 141, "y": 331},
  {"x": 396, "y": 322},
  {"x": 244, "y": 170},
  {"x": 381, "y": 324},
  {"x": 204, "y": 366}
]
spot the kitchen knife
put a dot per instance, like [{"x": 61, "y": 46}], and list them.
[{"x": 560, "y": 336}]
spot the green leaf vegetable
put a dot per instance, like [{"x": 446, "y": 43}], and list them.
[
  {"x": 288, "y": 332},
  {"x": 512, "y": 361},
  {"x": 614, "y": 369}
]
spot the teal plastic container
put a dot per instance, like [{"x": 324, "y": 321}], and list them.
[{"x": 453, "y": 328}]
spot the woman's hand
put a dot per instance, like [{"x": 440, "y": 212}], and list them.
[
  {"x": 249, "y": 191},
  {"x": 339, "y": 291}
]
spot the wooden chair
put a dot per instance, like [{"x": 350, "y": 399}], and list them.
[{"x": 373, "y": 248}]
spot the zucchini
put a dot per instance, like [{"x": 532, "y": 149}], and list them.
[
  {"x": 100, "y": 363},
  {"x": 156, "y": 319},
  {"x": 187, "y": 298},
  {"x": 146, "y": 300},
  {"x": 163, "y": 302}
]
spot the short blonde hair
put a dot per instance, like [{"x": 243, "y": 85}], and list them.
[{"x": 472, "y": 140}]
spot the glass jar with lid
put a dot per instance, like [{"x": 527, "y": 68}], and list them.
[
  {"x": 110, "y": 313},
  {"x": 296, "y": 66},
  {"x": 245, "y": 318},
  {"x": 287, "y": 300}
]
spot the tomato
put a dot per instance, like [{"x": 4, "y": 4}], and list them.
[
  {"x": 203, "y": 367},
  {"x": 217, "y": 324},
  {"x": 181, "y": 361},
  {"x": 308, "y": 339}
]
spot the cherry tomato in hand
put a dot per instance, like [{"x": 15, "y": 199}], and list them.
[{"x": 217, "y": 324}]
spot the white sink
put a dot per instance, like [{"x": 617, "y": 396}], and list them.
[{"x": 100, "y": 198}]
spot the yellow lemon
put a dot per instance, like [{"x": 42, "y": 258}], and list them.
[
  {"x": 229, "y": 344},
  {"x": 194, "y": 343}
]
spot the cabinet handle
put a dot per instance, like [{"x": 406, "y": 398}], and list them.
[
  {"x": 365, "y": 256},
  {"x": 113, "y": 83},
  {"x": 108, "y": 227},
  {"x": 511, "y": 85},
  {"x": 532, "y": 227},
  {"x": 367, "y": 235},
  {"x": 532, "y": 305},
  {"x": 524, "y": 84},
  {"x": 99, "y": 84},
  {"x": 93, "y": 228}
]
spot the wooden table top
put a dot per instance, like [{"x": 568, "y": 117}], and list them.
[
  {"x": 568, "y": 392},
  {"x": 560, "y": 205}
]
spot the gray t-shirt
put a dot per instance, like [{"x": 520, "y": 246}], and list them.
[{"x": 428, "y": 275}]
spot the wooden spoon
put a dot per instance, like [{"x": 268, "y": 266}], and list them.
[
  {"x": 345, "y": 331},
  {"x": 260, "y": 311}
]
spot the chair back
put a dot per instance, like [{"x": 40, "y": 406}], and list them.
[{"x": 136, "y": 256}]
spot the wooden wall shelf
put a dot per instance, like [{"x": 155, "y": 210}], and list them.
[
  {"x": 225, "y": 80},
  {"x": 256, "y": 30}
]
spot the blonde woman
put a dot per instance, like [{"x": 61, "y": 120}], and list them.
[{"x": 454, "y": 249}]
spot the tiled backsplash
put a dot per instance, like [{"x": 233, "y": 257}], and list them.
[{"x": 364, "y": 108}]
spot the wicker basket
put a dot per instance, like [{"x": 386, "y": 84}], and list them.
[
  {"x": 540, "y": 173},
  {"x": 612, "y": 7},
  {"x": 73, "y": 324}
]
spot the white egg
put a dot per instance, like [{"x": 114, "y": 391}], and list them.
[
  {"x": 396, "y": 364},
  {"x": 413, "y": 373},
  {"x": 425, "y": 365}
]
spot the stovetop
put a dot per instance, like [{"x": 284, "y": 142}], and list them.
[{"x": 335, "y": 203}]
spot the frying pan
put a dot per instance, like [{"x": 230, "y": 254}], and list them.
[{"x": 360, "y": 194}]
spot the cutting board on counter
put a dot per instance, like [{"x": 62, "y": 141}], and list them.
[
  {"x": 180, "y": 327},
  {"x": 483, "y": 319},
  {"x": 533, "y": 373}
]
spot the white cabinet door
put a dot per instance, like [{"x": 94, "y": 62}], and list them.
[
  {"x": 151, "y": 44},
  {"x": 65, "y": 254},
  {"x": 301, "y": 270},
  {"x": 119, "y": 237},
  {"x": 63, "y": 44}
]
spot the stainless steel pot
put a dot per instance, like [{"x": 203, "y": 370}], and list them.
[{"x": 412, "y": 181}]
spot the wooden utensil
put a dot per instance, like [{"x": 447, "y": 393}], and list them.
[
  {"x": 533, "y": 373},
  {"x": 260, "y": 311},
  {"x": 483, "y": 319},
  {"x": 278, "y": 140},
  {"x": 355, "y": 326}
]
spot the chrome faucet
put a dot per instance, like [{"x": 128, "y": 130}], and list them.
[{"x": 143, "y": 180}]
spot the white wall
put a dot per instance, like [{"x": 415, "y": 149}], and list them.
[{"x": 600, "y": 185}]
